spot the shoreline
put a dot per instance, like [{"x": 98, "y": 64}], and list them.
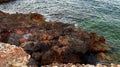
[{"x": 52, "y": 41}]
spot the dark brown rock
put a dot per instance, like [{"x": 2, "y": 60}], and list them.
[
  {"x": 2, "y": 1},
  {"x": 49, "y": 42}
]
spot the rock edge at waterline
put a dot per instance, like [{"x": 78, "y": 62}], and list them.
[{"x": 52, "y": 41}]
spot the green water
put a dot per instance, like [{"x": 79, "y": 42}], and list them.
[
  {"x": 100, "y": 16},
  {"x": 110, "y": 30}
]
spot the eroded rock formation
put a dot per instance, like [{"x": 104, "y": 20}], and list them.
[
  {"x": 13, "y": 56},
  {"x": 52, "y": 41}
]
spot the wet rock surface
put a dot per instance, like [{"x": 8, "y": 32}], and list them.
[
  {"x": 49, "y": 42},
  {"x": 13, "y": 56}
]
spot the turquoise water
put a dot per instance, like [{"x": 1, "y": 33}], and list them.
[
  {"x": 100, "y": 16},
  {"x": 110, "y": 30},
  {"x": 105, "y": 22}
]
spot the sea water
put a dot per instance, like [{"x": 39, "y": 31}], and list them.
[{"x": 100, "y": 16}]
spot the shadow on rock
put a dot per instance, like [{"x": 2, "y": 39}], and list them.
[{"x": 50, "y": 42}]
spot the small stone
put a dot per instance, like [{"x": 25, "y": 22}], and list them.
[
  {"x": 73, "y": 66},
  {"x": 118, "y": 65},
  {"x": 54, "y": 66},
  {"x": 98, "y": 65}
]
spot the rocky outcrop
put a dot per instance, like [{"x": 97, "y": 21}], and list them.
[
  {"x": 52, "y": 41},
  {"x": 13, "y": 56}
]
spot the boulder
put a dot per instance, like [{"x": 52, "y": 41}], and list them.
[{"x": 13, "y": 56}]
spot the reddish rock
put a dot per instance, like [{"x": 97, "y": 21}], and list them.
[{"x": 38, "y": 18}]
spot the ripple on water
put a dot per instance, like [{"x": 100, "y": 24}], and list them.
[{"x": 100, "y": 16}]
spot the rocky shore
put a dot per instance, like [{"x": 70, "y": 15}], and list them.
[
  {"x": 52, "y": 41},
  {"x": 3, "y": 1}
]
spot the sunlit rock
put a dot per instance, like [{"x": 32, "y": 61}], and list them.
[{"x": 13, "y": 56}]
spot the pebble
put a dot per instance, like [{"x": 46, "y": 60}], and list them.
[
  {"x": 54, "y": 66},
  {"x": 73, "y": 66}
]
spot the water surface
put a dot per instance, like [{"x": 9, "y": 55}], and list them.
[{"x": 100, "y": 16}]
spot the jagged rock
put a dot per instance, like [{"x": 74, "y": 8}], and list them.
[
  {"x": 52, "y": 41},
  {"x": 13, "y": 56}
]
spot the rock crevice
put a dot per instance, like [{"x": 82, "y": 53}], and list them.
[{"x": 49, "y": 42}]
